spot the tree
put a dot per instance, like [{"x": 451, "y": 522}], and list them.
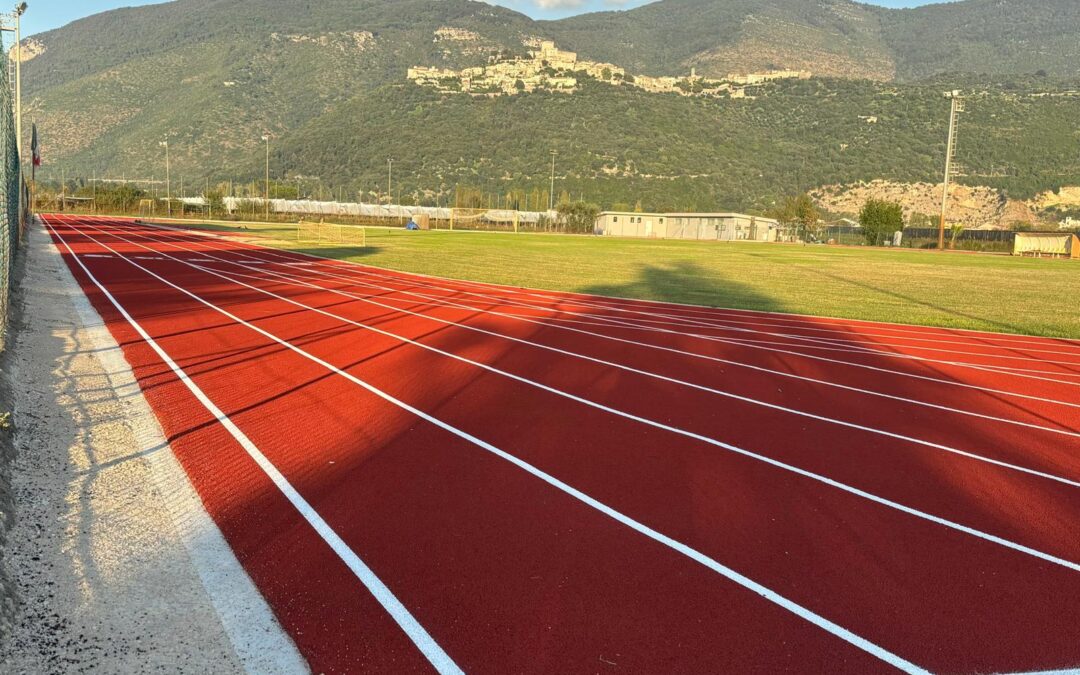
[
  {"x": 922, "y": 221},
  {"x": 880, "y": 219},
  {"x": 807, "y": 215},
  {"x": 801, "y": 212},
  {"x": 579, "y": 217},
  {"x": 215, "y": 200}
]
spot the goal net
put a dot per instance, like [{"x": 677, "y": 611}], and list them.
[
  {"x": 500, "y": 220},
  {"x": 146, "y": 207},
  {"x": 329, "y": 233}
]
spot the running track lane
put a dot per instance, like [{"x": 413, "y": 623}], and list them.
[
  {"x": 782, "y": 522},
  {"x": 1043, "y": 515},
  {"x": 207, "y": 256}
]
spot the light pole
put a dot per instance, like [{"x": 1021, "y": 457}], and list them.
[
  {"x": 389, "y": 180},
  {"x": 551, "y": 194},
  {"x": 168, "y": 179},
  {"x": 950, "y": 151},
  {"x": 20, "y": 9},
  {"x": 266, "y": 137}
]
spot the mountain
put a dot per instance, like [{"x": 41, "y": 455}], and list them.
[
  {"x": 834, "y": 37},
  {"x": 828, "y": 37},
  {"x": 985, "y": 36},
  {"x": 326, "y": 79}
]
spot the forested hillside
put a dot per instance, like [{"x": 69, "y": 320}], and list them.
[{"x": 328, "y": 85}]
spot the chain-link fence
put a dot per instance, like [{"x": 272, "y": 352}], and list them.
[
  {"x": 987, "y": 241},
  {"x": 12, "y": 222}
]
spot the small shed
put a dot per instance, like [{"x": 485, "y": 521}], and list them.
[{"x": 1048, "y": 244}]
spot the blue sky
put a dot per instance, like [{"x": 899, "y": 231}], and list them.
[{"x": 44, "y": 15}]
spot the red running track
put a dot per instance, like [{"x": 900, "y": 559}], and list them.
[{"x": 421, "y": 473}]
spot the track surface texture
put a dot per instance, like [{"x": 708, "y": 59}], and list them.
[{"x": 420, "y": 473}]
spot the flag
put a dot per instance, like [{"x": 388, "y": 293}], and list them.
[{"x": 35, "y": 151}]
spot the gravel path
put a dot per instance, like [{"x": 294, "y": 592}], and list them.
[{"x": 111, "y": 554}]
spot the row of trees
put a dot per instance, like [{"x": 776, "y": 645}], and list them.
[{"x": 878, "y": 219}]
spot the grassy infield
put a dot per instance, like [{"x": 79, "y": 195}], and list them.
[{"x": 961, "y": 290}]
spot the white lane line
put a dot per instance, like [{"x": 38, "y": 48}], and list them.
[
  {"x": 752, "y": 344},
  {"x": 1026, "y": 373},
  {"x": 699, "y": 312},
  {"x": 334, "y": 264},
  {"x": 611, "y": 322},
  {"x": 660, "y": 318},
  {"x": 297, "y": 281},
  {"x": 726, "y": 323},
  {"x": 263, "y": 645},
  {"x": 792, "y": 318},
  {"x": 419, "y": 636},
  {"x": 814, "y": 342},
  {"x": 545, "y": 322},
  {"x": 444, "y": 301},
  {"x": 614, "y": 411},
  {"x": 693, "y": 554},
  {"x": 732, "y": 326},
  {"x": 438, "y": 302}
]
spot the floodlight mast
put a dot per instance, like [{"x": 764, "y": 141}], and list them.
[
  {"x": 950, "y": 151},
  {"x": 551, "y": 193},
  {"x": 266, "y": 137},
  {"x": 168, "y": 179}
]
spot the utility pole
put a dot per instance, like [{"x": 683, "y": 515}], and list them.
[
  {"x": 551, "y": 195},
  {"x": 950, "y": 152},
  {"x": 266, "y": 137},
  {"x": 168, "y": 179}
]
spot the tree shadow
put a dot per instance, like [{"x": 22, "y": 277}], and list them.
[
  {"x": 339, "y": 252},
  {"x": 685, "y": 282}
]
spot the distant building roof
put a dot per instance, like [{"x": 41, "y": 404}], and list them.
[{"x": 720, "y": 215}]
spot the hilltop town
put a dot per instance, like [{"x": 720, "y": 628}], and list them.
[{"x": 548, "y": 68}]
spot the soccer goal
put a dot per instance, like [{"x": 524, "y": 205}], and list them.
[
  {"x": 500, "y": 220},
  {"x": 309, "y": 232},
  {"x": 146, "y": 208}
]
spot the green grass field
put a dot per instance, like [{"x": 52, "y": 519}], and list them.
[{"x": 959, "y": 290}]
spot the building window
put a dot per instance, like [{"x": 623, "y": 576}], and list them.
[
  {"x": 661, "y": 221},
  {"x": 615, "y": 219}
]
